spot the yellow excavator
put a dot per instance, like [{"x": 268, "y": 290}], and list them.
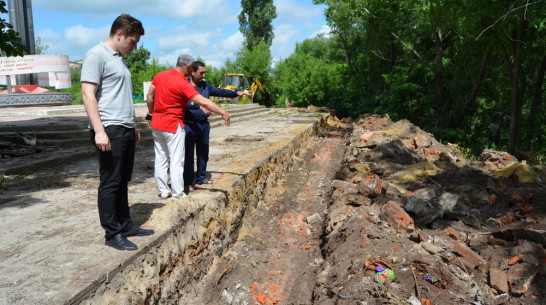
[{"x": 239, "y": 82}]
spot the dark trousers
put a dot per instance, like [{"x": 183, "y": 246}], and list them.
[
  {"x": 197, "y": 138},
  {"x": 115, "y": 167}
]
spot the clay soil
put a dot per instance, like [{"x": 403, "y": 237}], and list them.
[{"x": 370, "y": 195}]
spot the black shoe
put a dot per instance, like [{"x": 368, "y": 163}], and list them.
[
  {"x": 138, "y": 231},
  {"x": 121, "y": 242}
]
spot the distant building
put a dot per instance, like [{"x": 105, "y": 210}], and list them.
[{"x": 75, "y": 64}]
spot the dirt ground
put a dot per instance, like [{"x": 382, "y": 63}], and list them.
[
  {"x": 379, "y": 212},
  {"x": 377, "y": 195},
  {"x": 277, "y": 254}
]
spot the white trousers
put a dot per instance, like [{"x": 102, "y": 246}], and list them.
[{"x": 169, "y": 155}]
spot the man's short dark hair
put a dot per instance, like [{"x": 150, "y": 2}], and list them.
[
  {"x": 128, "y": 24},
  {"x": 197, "y": 64}
]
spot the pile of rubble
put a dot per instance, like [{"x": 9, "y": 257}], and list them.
[{"x": 413, "y": 222}]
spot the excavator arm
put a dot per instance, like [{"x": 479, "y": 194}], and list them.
[{"x": 256, "y": 85}]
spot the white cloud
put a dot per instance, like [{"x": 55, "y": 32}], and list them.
[
  {"x": 292, "y": 11},
  {"x": 171, "y": 57},
  {"x": 324, "y": 30},
  {"x": 184, "y": 36},
  {"x": 233, "y": 42},
  {"x": 49, "y": 35},
  {"x": 284, "y": 41},
  {"x": 204, "y": 28},
  {"x": 74, "y": 42},
  {"x": 82, "y": 36},
  {"x": 284, "y": 34}
]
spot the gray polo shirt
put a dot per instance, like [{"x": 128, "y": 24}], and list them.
[{"x": 106, "y": 68}]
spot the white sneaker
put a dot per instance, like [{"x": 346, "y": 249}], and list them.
[
  {"x": 183, "y": 195},
  {"x": 165, "y": 195}
]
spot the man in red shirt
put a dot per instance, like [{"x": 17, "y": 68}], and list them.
[{"x": 167, "y": 100}]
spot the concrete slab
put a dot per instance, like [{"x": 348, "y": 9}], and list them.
[{"x": 52, "y": 249}]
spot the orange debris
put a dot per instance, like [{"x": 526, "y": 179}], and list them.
[
  {"x": 252, "y": 288},
  {"x": 514, "y": 259},
  {"x": 261, "y": 297},
  {"x": 493, "y": 198}
]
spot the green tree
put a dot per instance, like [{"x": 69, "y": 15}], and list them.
[
  {"x": 518, "y": 29},
  {"x": 137, "y": 61},
  {"x": 310, "y": 77},
  {"x": 39, "y": 46},
  {"x": 256, "y": 63},
  {"x": 468, "y": 72},
  {"x": 75, "y": 89},
  {"x": 10, "y": 41},
  {"x": 146, "y": 74},
  {"x": 255, "y": 22}
]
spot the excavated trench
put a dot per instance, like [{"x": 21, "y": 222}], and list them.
[{"x": 257, "y": 242}]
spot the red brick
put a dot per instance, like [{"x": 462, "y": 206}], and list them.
[
  {"x": 509, "y": 218},
  {"x": 520, "y": 277},
  {"x": 394, "y": 213},
  {"x": 498, "y": 280},
  {"x": 471, "y": 256},
  {"x": 514, "y": 259},
  {"x": 453, "y": 233},
  {"x": 366, "y": 136},
  {"x": 377, "y": 188}
]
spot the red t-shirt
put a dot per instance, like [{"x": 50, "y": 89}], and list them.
[{"x": 172, "y": 93}]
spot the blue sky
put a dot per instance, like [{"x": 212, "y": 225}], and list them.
[{"x": 202, "y": 28}]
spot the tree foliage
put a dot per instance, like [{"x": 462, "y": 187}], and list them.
[
  {"x": 40, "y": 47},
  {"x": 10, "y": 41},
  {"x": 137, "y": 62},
  {"x": 256, "y": 63},
  {"x": 468, "y": 72},
  {"x": 255, "y": 22}
]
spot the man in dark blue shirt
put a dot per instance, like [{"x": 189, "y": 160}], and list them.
[{"x": 197, "y": 127}]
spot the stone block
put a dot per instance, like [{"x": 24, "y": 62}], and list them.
[
  {"x": 498, "y": 280},
  {"x": 448, "y": 201},
  {"x": 425, "y": 193}
]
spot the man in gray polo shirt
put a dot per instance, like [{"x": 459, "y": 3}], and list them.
[{"x": 108, "y": 99}]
